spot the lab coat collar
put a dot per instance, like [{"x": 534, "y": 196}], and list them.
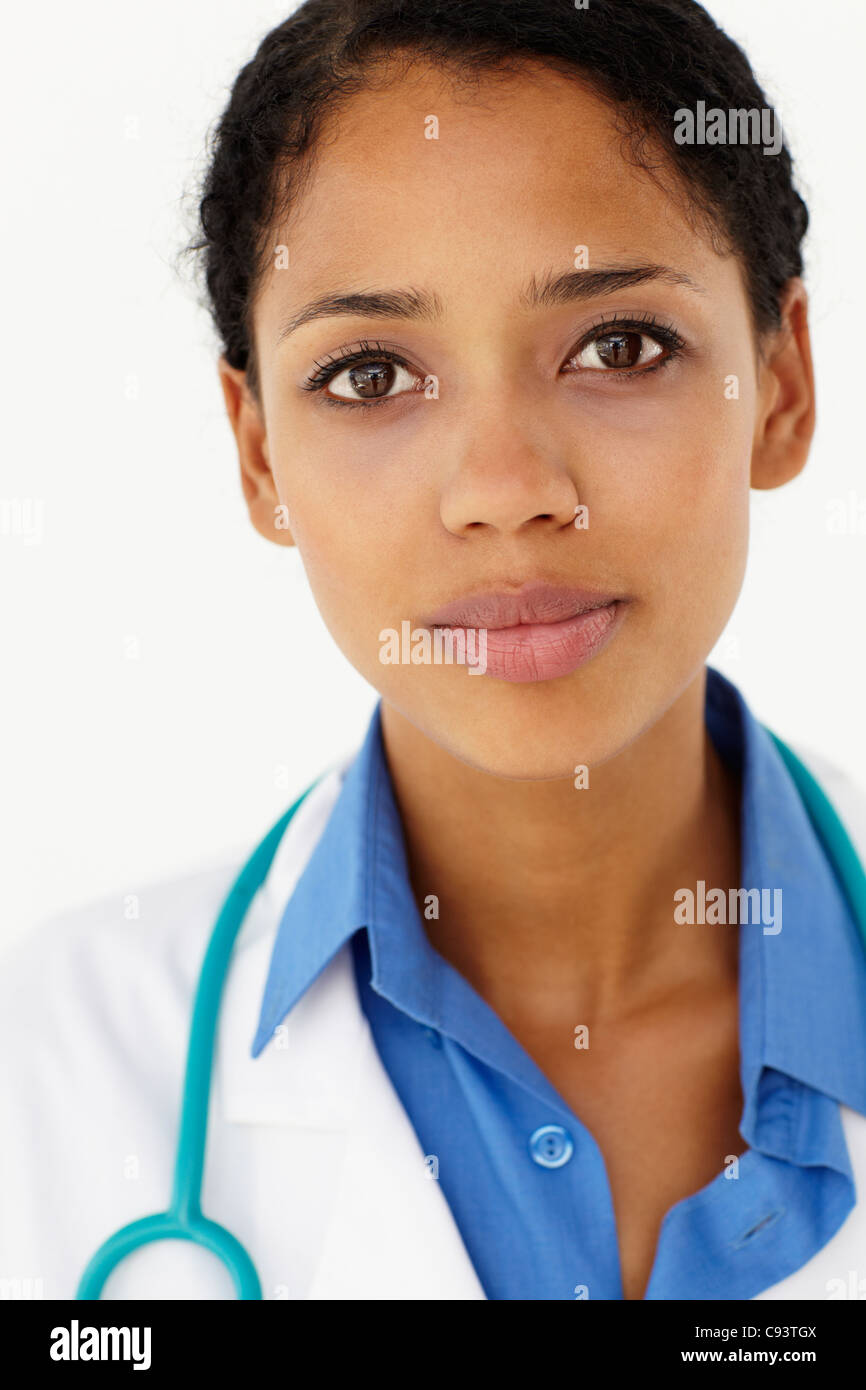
[
  {"x": 300, "y": 1078},
  {"x": 308, "y": 938}
]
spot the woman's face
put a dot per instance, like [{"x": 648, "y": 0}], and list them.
[{"x": 636, "y": 399}]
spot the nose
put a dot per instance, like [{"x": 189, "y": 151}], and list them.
[{"x": 505, "y": 478}]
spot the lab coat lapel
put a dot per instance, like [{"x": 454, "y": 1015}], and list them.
[
  {"x": 391, "y": 1234},
  {"x": 380, "y": 1225}
]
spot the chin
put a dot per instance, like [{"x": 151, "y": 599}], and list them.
[{"x": 529, "y": 745}]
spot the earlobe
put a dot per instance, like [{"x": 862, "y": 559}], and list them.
[
  {"x": 266, "y": 511},
  {"x": 786, "y": 421}
]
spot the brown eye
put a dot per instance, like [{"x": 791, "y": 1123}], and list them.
[
  {"x": 617, "y": 349},
  {"x": 371, "y": 381}
]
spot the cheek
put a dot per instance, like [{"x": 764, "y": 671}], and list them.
[
  {"x": 676, "y": 494},
  {"x": 350, "y": 521}
]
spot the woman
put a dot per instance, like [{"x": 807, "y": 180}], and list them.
[{"x": 552, "y": 993}]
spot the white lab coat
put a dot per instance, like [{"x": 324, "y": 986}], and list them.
[{"x": 311, "y": 1159}]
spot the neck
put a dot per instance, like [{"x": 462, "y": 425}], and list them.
[{"x": 553, "y": 898}]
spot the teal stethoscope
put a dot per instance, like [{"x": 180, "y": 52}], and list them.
[{"x": 184, "y": 1219}]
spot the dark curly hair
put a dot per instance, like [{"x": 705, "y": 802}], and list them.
[{"x": 646, "y": 58}]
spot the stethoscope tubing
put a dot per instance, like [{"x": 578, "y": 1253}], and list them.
[{"x": 184, "y": 1219}]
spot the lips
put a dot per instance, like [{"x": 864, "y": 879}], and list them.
[
  {"x": 534, "y": 603},
  {"x": 538, "y": 633}
]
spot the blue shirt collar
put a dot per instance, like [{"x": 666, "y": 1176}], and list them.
[{"x": 802, "y": 991}]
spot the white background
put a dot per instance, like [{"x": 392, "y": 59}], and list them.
[{"x": 118, "y": 768}]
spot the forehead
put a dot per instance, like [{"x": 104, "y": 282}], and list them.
[{"x": 424, "y": 180}]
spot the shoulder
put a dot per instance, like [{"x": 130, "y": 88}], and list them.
[
  {"x": 122, "y": 962},
  {"x": 110, "y": 964}
]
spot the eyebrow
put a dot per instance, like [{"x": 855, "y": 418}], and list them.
[{"x": 554, "y": 288}]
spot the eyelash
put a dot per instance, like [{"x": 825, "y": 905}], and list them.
[{"x": 663, "y": 333}]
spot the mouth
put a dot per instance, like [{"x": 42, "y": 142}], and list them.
[{"x": 537, "y": 633}]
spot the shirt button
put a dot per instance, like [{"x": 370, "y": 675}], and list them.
[
  {"x": 551, "y": 1146},
  {"x": 434, "y": 1037}
]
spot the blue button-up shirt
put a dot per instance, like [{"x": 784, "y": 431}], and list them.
[{"x": 524, "y": 1178}]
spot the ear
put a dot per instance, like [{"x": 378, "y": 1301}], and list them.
[
  {"x": 267, "y": 513},
  {"x": 786, "y": 396}
]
